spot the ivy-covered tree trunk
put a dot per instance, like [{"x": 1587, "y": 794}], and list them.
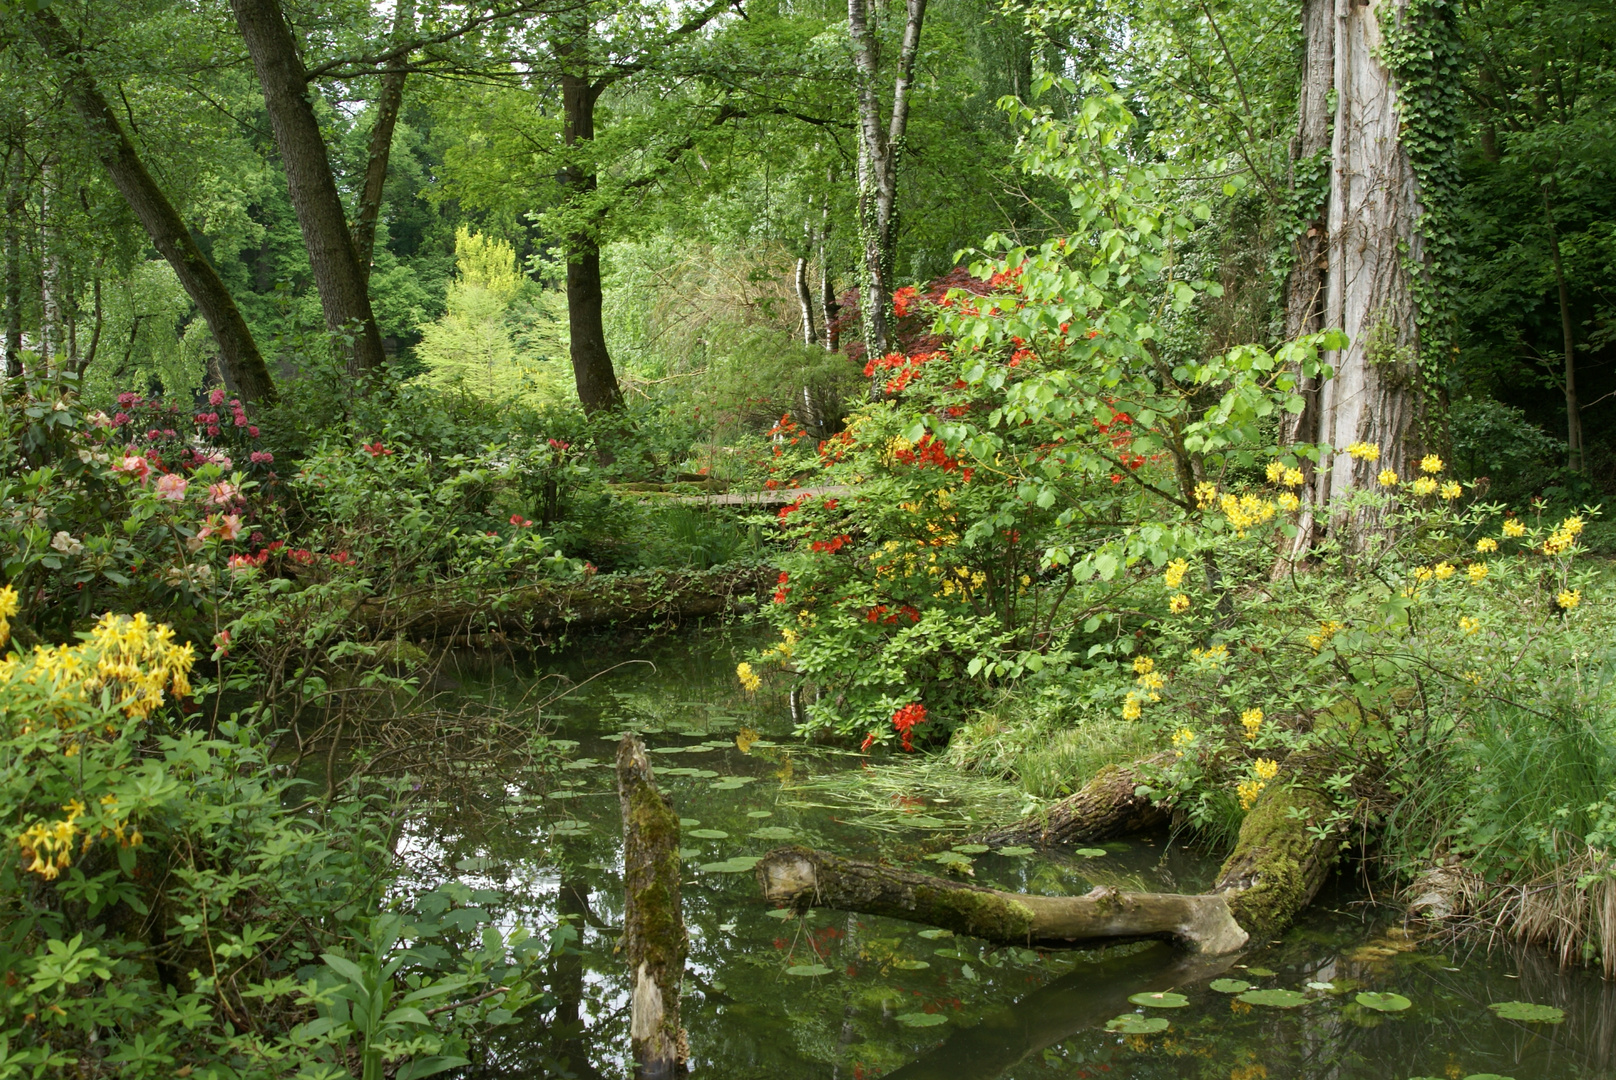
[
  {"x": 880, "y": 147},
  {"x": 342, "y": 285}
]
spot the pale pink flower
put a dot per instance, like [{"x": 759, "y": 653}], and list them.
[
  {"x": 225, "y": 528},
  {"x": 222, "y": 493},
  {"x": 135, "y": 465},
  {"x": 171, "y": 486}
]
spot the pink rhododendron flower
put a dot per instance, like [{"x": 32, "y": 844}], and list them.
[
  {"x": 226, "y": 528},
  {"x": 171, "y": 486},
  {"x": 252, "y": 429},
  {"x": 216, "y": 397},
  {"x": 222, "y": 493},
  {"x": 262, "y": 457},
  {"x": 135, "y": 465}
]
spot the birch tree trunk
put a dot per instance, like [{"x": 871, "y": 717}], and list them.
[
  {"x": 15, "y": 194},
  {"x": 880, "y": 147},
  {"x": 342, "y": 284},
  {"x": 1377, "y": 395},
  {"x": 51, "y": 325},
  {"x": 805, "y": 302}
]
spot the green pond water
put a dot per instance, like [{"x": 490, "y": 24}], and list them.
[{"x": 833, "y": 995}]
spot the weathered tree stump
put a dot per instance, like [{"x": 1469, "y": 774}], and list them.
[
  {"x": 803, "y": 877},
  {"x": 653, "y": 939}
]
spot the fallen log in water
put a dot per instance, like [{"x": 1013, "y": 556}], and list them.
[
  {"x": 1278, "y": 864},
  {"x": 1106, "y": 807},
  {"x": 653, "y": 941},
  {"x": 804, "y": 877}
]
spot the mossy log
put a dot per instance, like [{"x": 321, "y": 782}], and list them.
[
  {"x": 654, "y": 940},
  {"x": 804, "y": 877},
  {"x": 1104, "y": 808},
  {"x": 599, "y": 600},
  {"x": 1282, "y": 856}
]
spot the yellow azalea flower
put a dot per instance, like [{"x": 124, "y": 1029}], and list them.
[
  {"x": 1327, "y": 629},
  {"x": 1486, "y": 545},
  {"x": 1151, "y": 682},
  {"x": 1293, "y": 478},
  {"x": 1144, "y": 665},
  {"x": 1175, "y": 572},
  {"x": 1131, "y": 707},
  {"x": 1289, "y": 502},
  {"x": 1179, "y": 604},
  {"x": 1183, "y": 738},
  {"x": 750, "y": 680},
  {"x": 1423, "y": 486},
  {"x": 1251, "y": 720},
  {"x": 1387, "y": 478},
  {"x": 1443, "y": 571},
  {"x": 1212, "y": 655},
  {"x": 1452, "y": 489},
  {"x": 1571, "y": 526},
  {"x": 1275, "y": 470},
  {"x": 1569, "y": 598},
  {"x": 1431, "y": 463},
  {"x": 1514, "y": 527},
  {"x": 1267, "y": 768},
  {"x": 1206, "y": 494},
  {"x": 1469, "y": 625},
  {"x": 1248, "y": 790},
  {"x": 1559, "y": 543},
  {"x": 8, "y": 602},
  {"x": 1477, "y": 572},
  {"x": 1423, "y": 573},
  {"x": 1362, "y": 451},
  {"x": 1472, "y": 677}
]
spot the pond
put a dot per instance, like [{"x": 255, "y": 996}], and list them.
[{"x": 1348, "y": 993}]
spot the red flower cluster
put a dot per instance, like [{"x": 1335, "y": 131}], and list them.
[
  {"x": 929, "y": 451},
  {"x": 520, "y": 522},
  {"x": 786, "y": 428},
  {"x": 783, "y": 589},
  {"x": 791, "y": 508},
  {"x": 905, "y": 719},
  {"x": 831, "y": 546},
  {"x": 836, "y": 447},
  {"x": 875, "y": 613},
  {"x": 377, "y": 449},
  {"x": 903, "y": 300},
  {"x": 906, "y": 367}
]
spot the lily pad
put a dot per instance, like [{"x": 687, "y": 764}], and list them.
[
  {"x": 910, "y": 965},
  {"x": 1387, "y": 1002},
  {"x": 934, "y": 934},
  {"x": 1230, "y": 986},
  {"x": 738, "y": 865},
  {"x": 1159, "y": 999},
  {"x": 565, "y": 794},
  {"x": 759, "y": 813},
  {"x": 950, "y": 858},
  {"x": 689, "y": 822},
  {"x": 733, "y": 783},
  {"x": 1488, "y": 1076},
  {"x": 772, "y": 832},
  {"x": 1261, "y": 972},
  {"x": 970, "y": 849},
  {"x": 1134, "y": 1024},
  {"x": 668, "y": 750},
  {"x": 1015, "y": 851},
  {"x": 1090, "y": 852},
  {"x": 708, "y": 834},
  {"x": 1527, "y": 1012},
  {"x": 1274, "y": 999},
  {"x": 921, "y": 1019},
  {"x": 1321, "y": 986},
  {"x": 689, "y": 852},
  {"x": 808, "y": 969}
]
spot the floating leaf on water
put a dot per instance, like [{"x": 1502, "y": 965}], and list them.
[
  {"x": 1230, "y": 986},
  {"x": 738, "y": 865},
  {"x": 759, "y": 813},
  {"x": 970, "y": 849},
  {"x": 808, "y": 969},
  {"x": 667, "y": 750},
  {"x": 474, "y": 863},
  {"x": 950, "y": 858},
  {"x": 921, "y": 1019},
  {"x": 925, "y": 822},
  {"x": 1321, "y": 986},
  {"x": 708, "y": 834},
  {"x": 1274, "y": 999},
  {"x": 1387, "y": 1002},
  {"x": 781, "y": 913},
  {"x": 1134, "y": 1024},
  {"x": 1488, "y": 1076},
  {"x": 689, "y": 852},
  {"x": 731, "y": 783},
  {"x": 1015, "y": 851},
  {"x": 569, "y": 828},
  {"x": 689, "y": 822},
  {"x": 933, "y": 935},
  {"x": 1527, "y": 1012},
  {"x": 1159, "y": 999},
  {"x": 911, "y": 965},
  {"x": 772, "y": 832},
  {"x": 950, "y": 954},
  {"x": 1261, "y": 972},
  {"x": 583, "y": 763},
  {"x": 565, "y": 794},
  {"x": 1090, "y": 852}
]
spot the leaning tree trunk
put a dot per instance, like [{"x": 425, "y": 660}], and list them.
[
  {"x": 653, "y": 942},
  {"x": 388, "y": 104},
  {"x": 1377, "y": 395},
  {"x": 243, "y": 367},
  {"x": 342, "y": 284},
  {"x": 1275, "y": 870},
  {"x": 1107, "y": 806}
]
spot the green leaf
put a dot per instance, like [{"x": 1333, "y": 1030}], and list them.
[
  {"x": 1089, "y": 852},
  {"x": 911, "y": 965},
  {"x": 344, "y": 967},
  {"x": 738, "y": 865},
  {"x": 1260, "y": 972},
  {"x": 1159, "y": 999},
  {"x": 1134, "y": 1024},
  {"x": 1274, "y": 999},
  {"x": 808, "y": 970},
  {"x": 1387, "y": 1002},
  {"x": 970, "y": 849},
  {"x": 1528, "y": 1013},
  {"x": 1015, "y": 851},
  {"x": 1230, "y": 986},
  {"x": 429, "y": 1066},
  {"x": 772, "y": 832},
  {"x": 708, "y": 834},
  {"x": 921, "y": 1019},
  {"x": 934, "y": 934},
  {"x": 407, "y": 1014}
]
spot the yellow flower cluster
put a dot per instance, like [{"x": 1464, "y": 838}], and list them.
[
  {"x": 1183, "y": 739},
  {"x": 1144, "y": 665},
  {"x": 1175, "y": 572},
  {"x": 1245, "y": 512},
  {"x": 49, "y": 844},
  {"x": 1387, "y": 478},
  {"x": 1212, "y": 655},
  {"x": 1468, "y": 625},
  {"x": 1569, "y": 598},
  {"x": 750, "y": 680},
  {"x": 133, "y": 659},
  {"x": 1431, "y": 463},
  {"x": 1280, "y": 473},
  {"x": 1443, "y": 571},
  {"x": 8, "y": 608},
  {"x": 1564, "y": 537},
  {"x": 1267, "y": 769},
  {"x": 1362, "y": 451},
  {"x": 1486, "y": 545},
  {"x": 1251, "y": 720},
  {"x": 1206, "y": 493},
  {"x": 1131, "y": 706},
  {"x": 1514, "y": 527},
  {"x": 1288, "y": 502},
  {"x": 1178, "y": 604},
  {"x": 1327, "y": 630},
  {"x": 1477, "y": 572},
  {"x": 1425, "y": 485},
  {"x": 1452, "y": 489},
  {"x": 1248, "y": 790},
  {"x": 783, "y": 649}
]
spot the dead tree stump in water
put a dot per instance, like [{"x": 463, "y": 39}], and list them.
[{"x": 654, "y": 939}]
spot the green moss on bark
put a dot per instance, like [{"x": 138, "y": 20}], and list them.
[
  {"x": 969, "y": 911},
  {"x": 1278, "y": 864}
]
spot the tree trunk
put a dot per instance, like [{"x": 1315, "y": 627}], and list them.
[
  {"x": 1568, "y": 339},
  {"x": 807, "y": 878},
  {"x": 50, "y": 276},
  {"x": 1377, "y": 395},
  {"x": 344, "y": 296},
  {"x": 805, "y": 302},
  {"x": 15, "y": 195},
  {"x": 388, "y": 103},
  {"x": 880, "y": 147},
  {"x": 242, "y": 365},
  {"x": 830, "y": 308},
  {"x": 1105, "y": 807},
  {"x": 653, "y": 942}
]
